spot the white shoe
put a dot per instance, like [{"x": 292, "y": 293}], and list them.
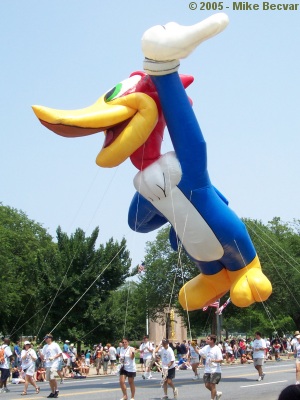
[
  {"x": 174, "y": 42},
  {"x": 175, "y": 393},
  {"x": 218, "y": 395},
  {"x": 259, "y": 379},
  {"x": 196, "y": 377}
]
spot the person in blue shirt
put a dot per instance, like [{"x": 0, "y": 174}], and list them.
[{"x": 17, "y": 354}]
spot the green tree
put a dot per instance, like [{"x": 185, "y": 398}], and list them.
[
  {"x": 25, "y": 250},
  {"x": 60, "y": 287},
  {"x": 121, "y": 314},
  {"x": 85, "y": 277}
]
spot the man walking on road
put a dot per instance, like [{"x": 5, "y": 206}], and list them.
[
  {"x": 259, "y": 347},
  {"x": 51, "y": 354},
  {"x": 212, "y": 372},
  {"x": 168, "y": 367},
  {"x": 5, "y": 364},
  {"x": 147, "y": 349}
]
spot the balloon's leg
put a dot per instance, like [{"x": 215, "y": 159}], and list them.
[{"x": 204, "y": 290}]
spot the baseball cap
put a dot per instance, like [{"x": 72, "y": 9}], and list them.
[
  {"x": 26, "y": 342},
  {"x": 48, "y": 336},
  {"x": 298, "y": 337},
  {"x": 67, "y": 341}
]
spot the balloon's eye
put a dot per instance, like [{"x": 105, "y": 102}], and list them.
[
  {"x": 111, "y": 94},
  {"x": 123, "y": 88}
]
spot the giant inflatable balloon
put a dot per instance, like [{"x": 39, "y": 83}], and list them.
[{"x": 174, "y": 187}]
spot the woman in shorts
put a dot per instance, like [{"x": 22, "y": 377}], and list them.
[
  {"x": 194, "y": 358},
  {"x": 128, "y": 369},
  {"x": 28, "y": 359}
]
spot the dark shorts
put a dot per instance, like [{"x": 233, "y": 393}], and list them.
[
  {"x": 5, "y": 374},
  {"x": 171, "y": 373},
  {"x": 212, "y": 378},
  {"x": 127, "y": 373},
  {"x": 141, "y": 361}
]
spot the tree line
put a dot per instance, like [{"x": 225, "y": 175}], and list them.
[{"x": 85, "y": 291}]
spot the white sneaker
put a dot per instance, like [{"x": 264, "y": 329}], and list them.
[
  {"x": 218, "y": 395},
  {"x": 175, "y": 393},
  {"x": 196, "y": 377},
  {"x": 259, "y": 379},
  {"x": 174, "y": 42}
]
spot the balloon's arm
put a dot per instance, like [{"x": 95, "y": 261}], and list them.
[
  {"x": 184, "y": 130},
  {"x": 143, "y": 217}
]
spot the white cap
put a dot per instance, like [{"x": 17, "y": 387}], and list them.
[{"x": 26, "y": 342}]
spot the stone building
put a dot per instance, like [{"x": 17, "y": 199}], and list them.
[{"x": 172, "y": 328}]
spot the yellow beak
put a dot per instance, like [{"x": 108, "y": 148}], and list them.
[{"x": 127, "y": 121}]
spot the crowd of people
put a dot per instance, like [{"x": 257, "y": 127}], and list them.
[{"x": 30, "y": 366}]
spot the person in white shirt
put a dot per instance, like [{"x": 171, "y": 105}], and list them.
[
  {"x": 28, "y": 359},
  {"x": 294, "y": 341},
  {"x": 297, "y": 354},
  {"x": 168, "y": 366},
  {"x": 112, "y": 357},
  {"x": 146, "y": 349},
  {"x": 128, "y": 369},
  {"x": 259, "y": 347},
  {"x": 51, "y": 354},
  {"x": 212, "y": 372},
  {"x": 5, "y": 367}
]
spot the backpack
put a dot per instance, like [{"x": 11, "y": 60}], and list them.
[
  {"x": 106, "y": 357},
  {"x": 2, "y": 355}
]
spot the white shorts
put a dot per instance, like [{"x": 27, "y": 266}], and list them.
[{"x": 30, "y": 370}]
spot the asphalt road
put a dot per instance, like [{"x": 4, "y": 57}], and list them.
[{"x": 238, "y": 382}]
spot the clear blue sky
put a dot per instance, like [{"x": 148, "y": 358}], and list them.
[{"x": 66, "y": 53}]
